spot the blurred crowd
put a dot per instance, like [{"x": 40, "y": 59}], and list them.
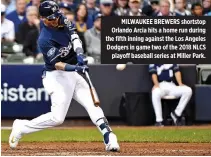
[{"x": 21, "y": 24}]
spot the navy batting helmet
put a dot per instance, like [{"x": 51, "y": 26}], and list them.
[{"x": 49, "y": 9}]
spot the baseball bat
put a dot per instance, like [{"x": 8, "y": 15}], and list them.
[{"x": 95, "y": 97}]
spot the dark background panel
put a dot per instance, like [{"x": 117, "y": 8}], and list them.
[{"x": 108, "y": 23}]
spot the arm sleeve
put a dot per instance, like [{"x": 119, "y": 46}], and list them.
[
  {"x": 50, "y": 52},
  {"x": 75, "y": 40},
  {"x": 152, "y": 69},
  {"x": 176, "y": 68}
]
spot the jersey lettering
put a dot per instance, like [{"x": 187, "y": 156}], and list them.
[
  {"x": 51, "y": 52},
  {"x": 65, "y": 50}
]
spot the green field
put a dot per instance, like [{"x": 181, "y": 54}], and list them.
[{"x": 186, "y": 135}]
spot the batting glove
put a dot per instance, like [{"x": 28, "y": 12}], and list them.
[
  {"x": 81, "y": 59},
  {"x": 82, "y": 69}
]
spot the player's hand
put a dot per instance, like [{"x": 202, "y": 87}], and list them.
[
  {"x": 155, "y": 86},
  {"x": 81, "y": 59},
  {"x": 82, "y": 69}
]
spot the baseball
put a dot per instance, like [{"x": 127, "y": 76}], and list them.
[{"x": 120, "y": 67}]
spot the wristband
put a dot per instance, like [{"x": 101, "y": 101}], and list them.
[{"x": 69, "y": 67}]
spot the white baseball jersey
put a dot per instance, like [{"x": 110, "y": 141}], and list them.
[{"x": 165, "y": 74}]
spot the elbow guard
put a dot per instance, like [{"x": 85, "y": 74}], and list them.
[{"x": 76, "y": 41}]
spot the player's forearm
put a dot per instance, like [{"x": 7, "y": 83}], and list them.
[
  {"x": 155, "y": 79},
  {"x": 65, "y": 66},
  {"x": 178, "y": 77},
  {"x": 70, "y": 68},
  {"x": 60, "y": 66}
]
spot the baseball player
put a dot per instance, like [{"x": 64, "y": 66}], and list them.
[
  {"x": 162, "y": 77},
  {"x": 64, "y": 60}
]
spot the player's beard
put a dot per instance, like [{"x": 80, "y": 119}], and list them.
[{"x": 54, "y": 23}]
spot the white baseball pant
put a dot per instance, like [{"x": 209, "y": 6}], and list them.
[
  {"x": 62, "y": 86},
  {"x": 169, "y": 88}
]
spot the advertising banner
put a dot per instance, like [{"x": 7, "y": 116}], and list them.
[{"x": 22, "y": 92}]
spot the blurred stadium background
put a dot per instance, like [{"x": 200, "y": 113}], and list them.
[
  {"x": 124, "y": 95},
  {"x": 21, "y": 23}
]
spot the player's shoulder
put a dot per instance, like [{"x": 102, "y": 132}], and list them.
[
  {"x": 44, "y": 36},
  {"x": 42, "y": 40},
  {"x": 44, "y": 44}
]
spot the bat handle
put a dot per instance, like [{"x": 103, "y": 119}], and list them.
[{"x": 86, "y": 73}]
